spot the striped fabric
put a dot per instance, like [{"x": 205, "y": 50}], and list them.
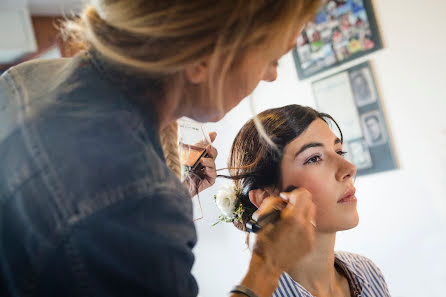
[{"x": 363, "y": 271}]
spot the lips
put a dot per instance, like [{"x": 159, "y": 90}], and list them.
[{"x": 349, "y": 196}]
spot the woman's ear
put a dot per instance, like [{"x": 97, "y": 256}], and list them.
[
  {"x": 258, "y": 195},
  {"x": 197, "y": 72}
]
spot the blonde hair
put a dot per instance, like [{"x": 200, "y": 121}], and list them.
[{"x": 161, "y": 38}]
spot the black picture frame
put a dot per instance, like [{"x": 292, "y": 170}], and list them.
[
  {"x": 343, "y": 30},
  {"x": 352, "y": 98}
]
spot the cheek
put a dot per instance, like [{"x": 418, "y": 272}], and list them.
[
  {"x": 243, "y": 80},
  {"x": 238, "y": 88},
  {"x": 302, "y": 179},
  {"x": 318, "y": 188},
  {"x": 317, "y": 185}
]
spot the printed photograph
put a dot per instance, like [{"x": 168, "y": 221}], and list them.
[
  {"x": 359, "y": 154},
  {"x": 340, "y": 32},
  {"x": 374, "y": 131},
  {"x": 363, "y": 87}
]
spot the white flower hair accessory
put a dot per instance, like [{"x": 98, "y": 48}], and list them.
[{"x": 229, "y": 205}]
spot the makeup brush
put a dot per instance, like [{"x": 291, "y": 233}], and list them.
[{"x": 254, "y": 226}]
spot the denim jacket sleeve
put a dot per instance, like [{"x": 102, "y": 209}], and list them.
[{"x": 136, "y": 248}]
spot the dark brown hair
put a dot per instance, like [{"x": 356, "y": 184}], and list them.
[{"x": 254, "y": 163}]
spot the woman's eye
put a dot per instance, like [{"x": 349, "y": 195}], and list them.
[
  {"x": 314, "y": 159},
  {"x": 341, "y": 153}
]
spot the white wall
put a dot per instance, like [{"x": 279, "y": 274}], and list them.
[
  {"x": 402, "y": 212},
  {"x": 16, "y": 31},
  {"x": 54, "y": 7}
]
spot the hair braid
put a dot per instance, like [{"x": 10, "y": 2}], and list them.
[{"x": 169, "y": 143}]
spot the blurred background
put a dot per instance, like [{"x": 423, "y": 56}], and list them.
[{"x": 402, "y": 212}]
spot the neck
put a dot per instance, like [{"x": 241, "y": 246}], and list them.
[
  {"x": 178, "y": 102},
  {"x": 316, "y": 272},
  {"x": 170, "y": 108}
]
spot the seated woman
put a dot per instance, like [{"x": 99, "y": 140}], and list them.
[{"x": 306, "y": 155}]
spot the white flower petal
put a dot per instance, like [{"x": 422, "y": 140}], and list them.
[{"x": 225, "y": 200}]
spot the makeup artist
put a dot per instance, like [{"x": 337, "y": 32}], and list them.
[{"x": 90, "y": 205}]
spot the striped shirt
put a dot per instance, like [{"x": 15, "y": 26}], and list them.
[{"x": 364, "y": 277}]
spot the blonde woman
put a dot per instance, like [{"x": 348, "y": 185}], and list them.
[{"x": 90, "y": 200}]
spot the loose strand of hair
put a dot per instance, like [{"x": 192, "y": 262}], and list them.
[{"x": 258, "y": 124}]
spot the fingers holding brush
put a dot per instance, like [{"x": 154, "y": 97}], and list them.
[
  {"x": 291, "y": 237},
  {"x": 209, "y": 170},
  {"x": 303, "y": 199},
  {"x": 205, "y": 173}
]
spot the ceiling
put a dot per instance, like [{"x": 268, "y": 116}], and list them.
[{"x": 54, "y": 7}]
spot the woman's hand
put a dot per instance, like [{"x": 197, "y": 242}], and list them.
[
  {"x": 205, "y": 174},
  {"x": 291, "y": 238},
  {"x": 280, "y": 245}
]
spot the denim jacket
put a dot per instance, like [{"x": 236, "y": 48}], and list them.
[{"x": 87, "y": 204}]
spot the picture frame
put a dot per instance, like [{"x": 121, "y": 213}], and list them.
[
  {"x": 355, "y": 105},
  {"x": 343, "y": 30}
]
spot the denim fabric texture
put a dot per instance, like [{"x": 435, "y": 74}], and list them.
[{"x": 87, "y": 205}]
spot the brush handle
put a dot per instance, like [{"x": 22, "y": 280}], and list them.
[
  {"x": 269, "y": 218},
  {"x": 253, "y": 226}
]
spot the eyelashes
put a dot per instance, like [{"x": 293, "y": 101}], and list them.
[
  {"x": 341, "y": 153},
  {"x": 313, "y": 160},
  {"x": 317, "y": 158}
]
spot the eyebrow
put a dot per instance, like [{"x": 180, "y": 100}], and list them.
[{"x": 314, "y": 144}]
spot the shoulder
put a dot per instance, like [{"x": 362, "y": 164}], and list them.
[
  {"x": 24, "y": 81},
  {"x": 366, "y": 270},
  {"x": 352, "y": 258},
  {"x": 29, "y": 67},
  {"x": 34, "y": 77},
  {"x": 37, "y": 84},
  {"x": 358, "y": 263}
]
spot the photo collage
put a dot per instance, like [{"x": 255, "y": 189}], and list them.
[{"x": 341, "y": 31}]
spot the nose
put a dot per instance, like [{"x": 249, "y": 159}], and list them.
[{"x": 345, "y": 170}]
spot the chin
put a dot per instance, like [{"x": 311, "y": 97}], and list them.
[
  {"x": 216, "y": 117},
  {"x": 352, "y": 223},
  {"x": 211, "y": 118},
  {"x": 347, "y": 223},
  {"x": 204, "y": 117}
]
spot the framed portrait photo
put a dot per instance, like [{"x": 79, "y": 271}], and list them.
[
  {"x": 342, "y": 30},
  {"x": 352, "y": 99}
]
